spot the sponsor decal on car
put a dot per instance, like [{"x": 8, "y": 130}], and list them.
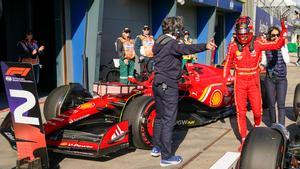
[
  {"x": 207, "y": 91},
  {"x": 76, "y": 145},
  {"x": 86, "y": 106},
  {"x": 216, "y": 98},
  {"x": 79, "y": 118},
  {"x": 17, "y": 71},
  {"x": 118, "y": 135},
  {"x": 63, "y": 144},
  {"x": 17, "y": 79},
  {"x": 185, "y": 122},
  {"x": 12, "y": 72}
]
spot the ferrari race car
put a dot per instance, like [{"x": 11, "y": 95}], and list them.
[
  {"x": 120, "y": 116},
  {"x": 272, "y": 148}
]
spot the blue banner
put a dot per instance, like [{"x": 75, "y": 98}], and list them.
[
  {"x": 262, "y": 21},
  {"x": 232, "y": 5}
]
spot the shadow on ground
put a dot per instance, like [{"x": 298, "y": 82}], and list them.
[
  {"x": 56, "y": 158},
  {"x": 178, "y": 137},
  {"x": 234, "y": 126},
  {"x": 265, "y": 119}
]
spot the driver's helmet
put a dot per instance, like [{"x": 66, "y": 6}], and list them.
[{"x": 244, "y": 29}]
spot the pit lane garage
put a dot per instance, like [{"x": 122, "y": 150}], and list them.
[{"x": 123, "y": 115}]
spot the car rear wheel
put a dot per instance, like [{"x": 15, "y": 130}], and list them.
[
  {"x": 113, "y": 76},
  {"x": 296, "y": 104},
  {"x": 53, "y": 101},
  {"x": 140, "y": 112},
  {"x": 263, "y": 149}
]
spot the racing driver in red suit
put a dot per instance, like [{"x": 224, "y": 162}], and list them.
[{"x": 244, "y": 55}]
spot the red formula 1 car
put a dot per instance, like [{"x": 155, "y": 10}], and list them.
[{"x": 123, "y": 115}]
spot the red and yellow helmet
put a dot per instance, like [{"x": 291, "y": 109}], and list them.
[{"x": 244, "y": 29}]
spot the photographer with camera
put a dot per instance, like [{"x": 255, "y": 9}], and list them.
[{"x": 168, "y": 52}]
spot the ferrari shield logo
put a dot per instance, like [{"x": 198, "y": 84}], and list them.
[{"x": 238, "y": 55}]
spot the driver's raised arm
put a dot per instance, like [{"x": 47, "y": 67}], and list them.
[{"x": 274, "y": 45}]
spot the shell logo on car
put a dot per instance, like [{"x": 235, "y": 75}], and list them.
[
  {"x": 212, "y": 95},
  {"x": 216, "y": 98},
  {"x": 86, "y": 106}
]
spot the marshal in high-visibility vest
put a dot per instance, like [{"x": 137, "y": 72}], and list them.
[
  {"x": 128, "y": 46},
  {"x": 126, "y": 53},
  {"x": 147, "y": 45}
]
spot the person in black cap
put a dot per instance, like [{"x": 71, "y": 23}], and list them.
[
  {"x": 125, "y": 50},
  {"x": 143, "y": 47},
  {"x": 188, "y": 41},
  {"x": 167, "y": 68}
]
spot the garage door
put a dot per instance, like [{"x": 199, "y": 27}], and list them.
[
  {"x": 117, "y": 15},
  {"x": 190, "y": 19}
]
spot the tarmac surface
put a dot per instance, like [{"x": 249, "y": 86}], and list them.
[{"x": 200, "y": 147}]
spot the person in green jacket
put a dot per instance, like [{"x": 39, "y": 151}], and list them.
[{"x": 125, "y": 49}]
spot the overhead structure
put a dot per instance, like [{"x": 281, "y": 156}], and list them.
[{"x": 280, "y": 8}]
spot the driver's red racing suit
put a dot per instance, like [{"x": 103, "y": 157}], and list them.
[{"x": 247, "y": 80}]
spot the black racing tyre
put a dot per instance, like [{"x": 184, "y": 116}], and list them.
[
  {"x": 263, "y": 149},
  {"x": 140, "y": 112},
  {"x": 54, "y": 100},
  {"x": 296, "y": 104},
  {"x": 113, "y": 76},
  {"x": 63, "y": 98}
]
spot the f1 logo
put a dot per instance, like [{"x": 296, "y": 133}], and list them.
[
  {"x": 17, "y": 71},
  {"x": 21, "y": 109}
]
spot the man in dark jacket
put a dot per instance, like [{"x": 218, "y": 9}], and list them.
[{"x": 168, "y": 59}]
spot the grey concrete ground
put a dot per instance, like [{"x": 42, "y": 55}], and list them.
[{"x": 200, "y": 147}]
